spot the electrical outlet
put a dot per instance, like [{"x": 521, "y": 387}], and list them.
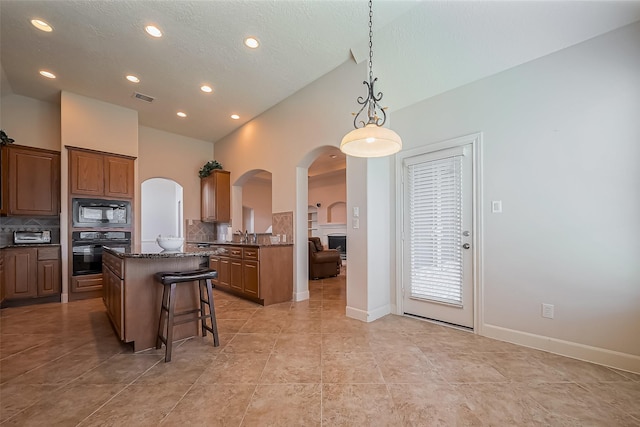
[{"x": 547, "y": 311}]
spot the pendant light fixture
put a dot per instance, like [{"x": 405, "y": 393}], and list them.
[{"x": 371, "y": 139}]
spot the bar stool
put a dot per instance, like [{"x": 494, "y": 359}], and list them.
[{"x": 169, "y": 280}]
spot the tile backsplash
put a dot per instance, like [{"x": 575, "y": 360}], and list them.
[
  {"x": 282, "y": 224},
  {"x": 199, "y": 231},
  {"x": 15, "y": 223}
]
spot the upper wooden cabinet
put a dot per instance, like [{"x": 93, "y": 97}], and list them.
[
  {"x": 216, "y": 197},
  {"x": 30, "y": 182},
  {"x": 93, "y": 173}
]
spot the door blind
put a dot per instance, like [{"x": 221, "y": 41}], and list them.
[{"x": 435, "y": 228}]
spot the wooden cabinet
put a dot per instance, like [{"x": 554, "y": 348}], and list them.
[
  {"x": 215, "y": 202},
  {"x": 86, "y": 283},
  {"x": 262, "y": 274},
  {"x": 30, "y": 182},
  {"x": 93, "y": 173},
  {"x": 30, "y": 273},
  {"x": 112, "y": 291},
  {"x": 49, "y": 275},
  {"x": 21, "y": 273}
]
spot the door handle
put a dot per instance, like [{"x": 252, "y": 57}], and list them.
[{"x": 466, "y": 246}]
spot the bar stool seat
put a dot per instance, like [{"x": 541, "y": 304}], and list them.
[{"x": 169, "y": 280}]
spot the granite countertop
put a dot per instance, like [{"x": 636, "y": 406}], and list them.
[
  {"x": 250, "y": 245},
  {"x": 152, "y": 250},
  {"x": 29, "y": 245}
]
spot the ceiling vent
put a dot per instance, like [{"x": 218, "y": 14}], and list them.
[{"x": 143, "y": 97}]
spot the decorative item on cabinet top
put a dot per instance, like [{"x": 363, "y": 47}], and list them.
[
  {"x": 4, "y": 138},
  {"x": 211, "y": 165}
]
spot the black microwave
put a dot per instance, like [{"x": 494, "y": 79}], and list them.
[{"x": 101, "y": 213}]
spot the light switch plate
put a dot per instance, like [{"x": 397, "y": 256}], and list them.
[
  {"x": 355, "y": 222},
  {"x": 356, "y": 212},
  {"x": 496, "y": 206}
]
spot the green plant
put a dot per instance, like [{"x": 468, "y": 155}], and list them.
[{"x": 205, "y": 171}]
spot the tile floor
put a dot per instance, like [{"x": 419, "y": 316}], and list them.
[{"x": 294, "y": 364}]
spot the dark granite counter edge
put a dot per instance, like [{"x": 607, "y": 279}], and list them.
[
  {"x": 244, "y": 245},
  {"x": 191, "y": 252},
  {"x": 28, "y": 245}
]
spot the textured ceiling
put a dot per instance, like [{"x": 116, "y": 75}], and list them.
[{"x": 421, "y": 49}]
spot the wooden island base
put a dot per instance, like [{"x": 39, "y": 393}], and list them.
[{"x": 132, "y": 296}]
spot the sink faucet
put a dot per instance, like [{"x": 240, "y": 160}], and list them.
[{"x": 242, "y": 237}]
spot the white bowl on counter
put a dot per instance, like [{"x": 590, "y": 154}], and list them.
[{"x": 170, "y": 243}]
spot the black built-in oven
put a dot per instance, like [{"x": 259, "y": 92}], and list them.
[
  {"x": 87, "y": 247},
  {"x": 92, "y": 213}
]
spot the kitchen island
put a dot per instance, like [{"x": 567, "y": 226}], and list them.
[
  {"x": 262, "y": 273},
  {"x": 133, "y": 297}
]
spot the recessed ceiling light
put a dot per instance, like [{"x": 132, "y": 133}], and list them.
[
  {"x": 181, "y": 114},
  {"x": 206, "y": 88},
  {"x": 235, "y": 116},
  {"x": 47, "y": 74},
  {"x": 133, "y": 78},
  {"x": 251, "y": 42},
  {"x": 41, "y": 25},
  {"x": 153, "y": 31}
]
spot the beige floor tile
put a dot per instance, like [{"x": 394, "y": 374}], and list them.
[
  {"x": 431, "y": 404},
  {"x": 211, "y": 406},
  {"x": 406, "y": 366},
  {"x": 505, "y": 404},
  {"x": 358, "y": 405},
  {"x": 350, "y": 368},
  {"x": 465, "y": 368},
  {"x": 138, "y": 405},
  {"x": 345, "y": 343},
  {"x": 579, "y": 371},
  {"x": 251, "y": 343},
  {"x": 622, "y": 395},
  {"x": 291, "y": 343},
  {"x": 304, "y": 363},
  {"x": 574, "y": 404},
  {"x": 288, "y": 368},
  {"x": 61, "y": 370},
  {"x": 238, "y": 368},
  {"x": 300, "y": 325},
  {"x": 15, "y": 397},
  {"x": 230, "y": 326},
  {"x": 120, "y": 369},
  {"x": 284, "y": 405},
  {"x": 67, "y": 406}
]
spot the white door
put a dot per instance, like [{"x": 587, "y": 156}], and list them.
[{"x": 437, "y": 229}]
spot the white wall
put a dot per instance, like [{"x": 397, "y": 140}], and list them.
[
  {"x": 561, "y": 151},
  {"x": 31, "y": 122},
  {"x": 176, "y": 157}
]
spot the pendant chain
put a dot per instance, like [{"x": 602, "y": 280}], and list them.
[{"x": 370, "y": 40}]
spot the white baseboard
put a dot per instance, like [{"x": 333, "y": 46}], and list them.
[
  {"x": 601, "y": 356},
  {"x": 64, "y": 298},
  {"x": 368, "y": 316},
  {"x": 301, "y": 296}
]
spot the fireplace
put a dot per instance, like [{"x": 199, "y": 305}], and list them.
[{"x": 339, "y": 242}]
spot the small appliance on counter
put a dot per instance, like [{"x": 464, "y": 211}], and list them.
[{"x": 32, "y": 237}]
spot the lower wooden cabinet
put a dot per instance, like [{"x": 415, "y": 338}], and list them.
[
  {"x": 30, "y": 273},
  {"x": 262, "y": 274},
  {"x": 112, "y": 291},
  {"x": 86, "y": 283}
]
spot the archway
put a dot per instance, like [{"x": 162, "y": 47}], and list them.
[
  {"x": 301, "y": 214},
  {"x": 252, "y": 202},
  {"x": 161, "y": 209}
]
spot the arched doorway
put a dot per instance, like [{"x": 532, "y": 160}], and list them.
[
  {"x": 317, "y": 162},
  {"x": 161, "y": 209}
]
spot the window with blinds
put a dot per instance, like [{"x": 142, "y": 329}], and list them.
[{"x": 435, "y": 229}]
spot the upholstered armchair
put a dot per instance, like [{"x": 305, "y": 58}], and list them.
[{"x": 322, "y": 262}]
